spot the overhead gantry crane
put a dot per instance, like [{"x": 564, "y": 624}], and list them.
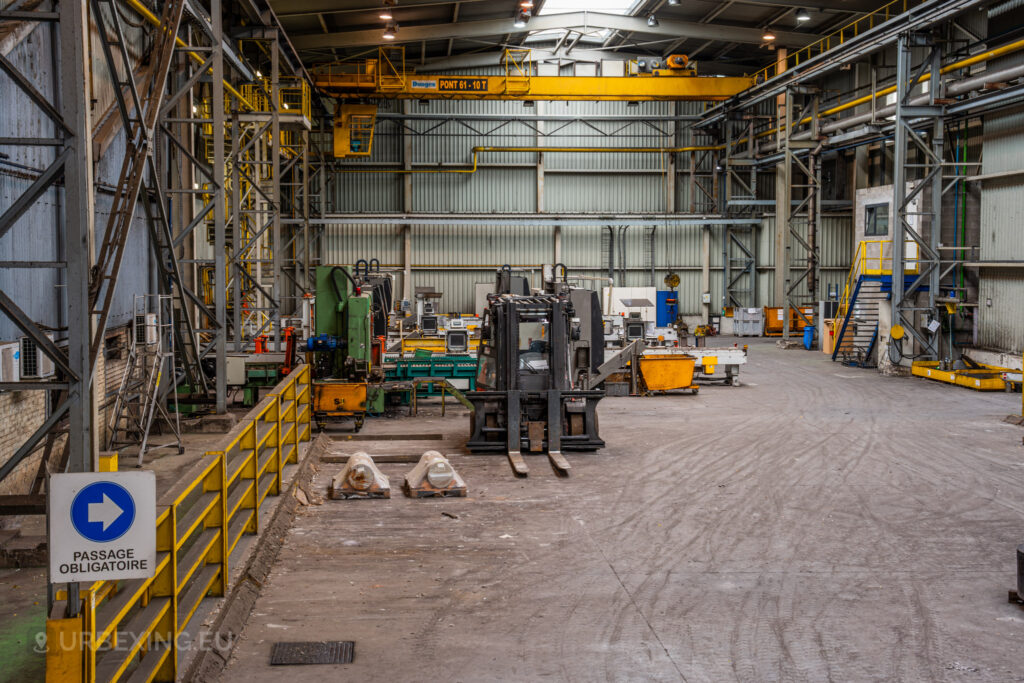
[{"x": 386, "y": 77}]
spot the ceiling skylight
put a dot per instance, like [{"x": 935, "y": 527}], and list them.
[
  {"x": 603, "y": 6},
  {"x": 623, "y": 7}
]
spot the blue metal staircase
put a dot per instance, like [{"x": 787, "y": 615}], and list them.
[
  {"x": 857, "y": 337},
  {"x": 868, "y": 284}
]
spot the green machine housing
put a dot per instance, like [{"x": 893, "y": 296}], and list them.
[{"x": 343, "y": 342}]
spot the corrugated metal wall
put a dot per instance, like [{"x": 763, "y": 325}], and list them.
[
  {"x": 453, "y": 258},
  {"x": 1002, "y": 234},
  {"x": 35, "y": 237}
]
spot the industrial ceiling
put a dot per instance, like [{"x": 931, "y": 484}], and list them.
[{"x": 723, "y": 37}]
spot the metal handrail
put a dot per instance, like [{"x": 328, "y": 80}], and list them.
[
  {"x": 838, "y": 37},
  {"x": 199, "y": 522},
  {"x": 865, "y": 263}
]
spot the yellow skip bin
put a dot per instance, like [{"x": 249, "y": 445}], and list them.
[{"x": 668, "y": 373}]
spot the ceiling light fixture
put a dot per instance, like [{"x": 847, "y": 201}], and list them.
[
  {"x": 673, "y": 3},
  {"x": 386, "y": 14},
  {"x": 521, "y": 19},
  {"x": 768, "y": 36},
  {"x": 390, "y": 31},
  {"x": 802, "y": 15},
  {"x": 526, "y": 4},
  {"x": 652, "y": 21}
]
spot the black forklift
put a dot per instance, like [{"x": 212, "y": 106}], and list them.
[{"x": 526, "y": 400}]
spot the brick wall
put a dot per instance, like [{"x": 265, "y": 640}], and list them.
[
  {"x": 21, "y": 413},
  {"x": 110, "y": 371}
]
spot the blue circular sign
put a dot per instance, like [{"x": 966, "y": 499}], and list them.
[{"x": 103, "y": 511}]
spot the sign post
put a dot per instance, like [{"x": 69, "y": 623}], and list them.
[{"x": 102, "y": 526}]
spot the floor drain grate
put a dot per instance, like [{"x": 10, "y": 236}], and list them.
[{"x": 331, "y": 652}]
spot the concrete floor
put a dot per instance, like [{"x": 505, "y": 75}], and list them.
[{"x": 817, "y": 523}]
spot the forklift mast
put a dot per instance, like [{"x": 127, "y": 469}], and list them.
[{"x": 526, "y": 398}]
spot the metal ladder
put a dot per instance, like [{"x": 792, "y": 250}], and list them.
[{"x": 149, "y": 377}]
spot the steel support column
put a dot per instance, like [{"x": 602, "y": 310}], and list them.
[
  {"x": 79, "y": 212},
  {"x": 796, "y": 226},
  {"x": 407, "y": 288},
  {"x": 917, "y": 193},
  {"x": 220, "y": 265},
  {"x": 739, "y": 243},
  {"x": 274, "y": 148}
]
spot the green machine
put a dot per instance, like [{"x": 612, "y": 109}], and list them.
[{"x": 346, "y": 377}]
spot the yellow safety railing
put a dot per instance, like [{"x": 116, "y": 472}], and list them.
[
  {"x": 361, "y": 73},
  {"x": 391, "y": 73},
  {"x": 874, "y": 257},
  {"x": 293, "y": 96},
  {"x": 838, "y": 37},
  {"x": 518, "y": 69},
  {"x": 132, "y": 628},
  {"x": 851, "y": 282}
]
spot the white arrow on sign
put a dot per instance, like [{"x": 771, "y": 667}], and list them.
[{"x": 106, "y": 512}]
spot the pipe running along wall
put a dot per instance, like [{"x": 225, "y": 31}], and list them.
[
  {"x": 954, "y": 88},
  {"x": 569, "y": 150},
  {"x": 155, "y": 21}
]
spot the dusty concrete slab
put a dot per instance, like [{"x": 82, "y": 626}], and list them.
[{"x": 817, "y": 523}]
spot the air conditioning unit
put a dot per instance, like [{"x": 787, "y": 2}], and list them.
[
  {"x": 34, "y": 363},
  {"x": 145, "y": 329},
  {"x": 10, "y": 367}
]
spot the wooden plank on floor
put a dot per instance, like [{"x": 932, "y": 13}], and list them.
[{"x": 387, "y": 437}]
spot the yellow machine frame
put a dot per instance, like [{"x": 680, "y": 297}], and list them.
[{"x": 339, "y": 399}]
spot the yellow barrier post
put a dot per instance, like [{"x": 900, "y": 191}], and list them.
[
  {"x": 249, "y": 470},
  {"x": 89, "y": 631},
  {"x": 108, "y": 462},
  {"x": 306, "y": 401},
  {"x": 165, "y": 632},
  {"x": 220, "y": 520},
  {"x": 168, "y": 537},
  {"x": 270, "y": 442},
  {"x": 64, "y": 650},
  {"x": 281, "y": 437}
]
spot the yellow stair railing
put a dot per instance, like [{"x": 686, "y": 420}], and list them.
[
  {"x": 856, "y": 268},
  {"x": 874, "y": 258}
]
